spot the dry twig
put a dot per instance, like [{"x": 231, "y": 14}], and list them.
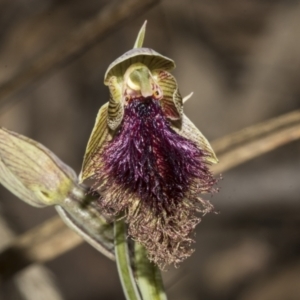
[
  {"x": 239, "y": 147},
  {"x": 38, "y": 245}
]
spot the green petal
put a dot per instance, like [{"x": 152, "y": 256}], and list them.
[
  {"x": 115, "y": 110},
  {"x": 99, "y": 136},
  {"x": 171, "y": 102},
  {"x": 187, "y": 129}
]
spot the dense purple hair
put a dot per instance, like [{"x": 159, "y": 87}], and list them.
[{"x": 154, "y": 176}]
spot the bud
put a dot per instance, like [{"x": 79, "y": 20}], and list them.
[{"x": 32, "y": 172}]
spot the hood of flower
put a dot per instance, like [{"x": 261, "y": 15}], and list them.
[{"x": 154, "y": 176}]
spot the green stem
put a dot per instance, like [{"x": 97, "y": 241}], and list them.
[
  {"x": 148, "y": 276},
  {"x": 123, "y": 262}
]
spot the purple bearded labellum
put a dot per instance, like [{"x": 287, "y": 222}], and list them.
[{"x": 149, "y": 162}]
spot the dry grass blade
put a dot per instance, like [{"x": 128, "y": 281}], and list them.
[
  {"x": 239, "y": 147},
  {"x": 76, "y": 44},
  {"x": 53, "y": 238},
  {"x": 38, "y": 245}
]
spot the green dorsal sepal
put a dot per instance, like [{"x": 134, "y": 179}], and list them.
[{"x": 141, "y": 35}]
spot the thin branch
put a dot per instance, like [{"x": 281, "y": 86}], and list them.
[
  {"x": 53, "y": 238},
  {"x": 82, "y": 39}
]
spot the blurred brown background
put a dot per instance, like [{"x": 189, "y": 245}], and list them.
[{"x": 241, "y": 58}]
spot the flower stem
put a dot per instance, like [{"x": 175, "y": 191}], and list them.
[
  {"x": 148, "y": 276},
  {"x": 123, "y": 262}
]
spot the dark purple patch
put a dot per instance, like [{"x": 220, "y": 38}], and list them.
[{"x": 149, "y": 159}]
